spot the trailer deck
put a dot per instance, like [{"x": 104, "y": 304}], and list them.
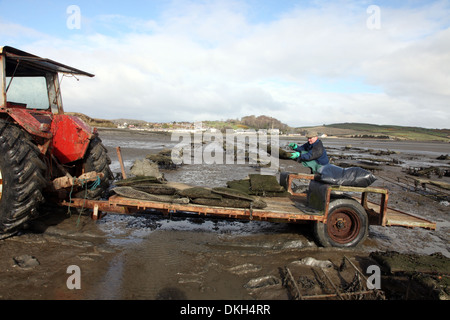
[{"x": 293, "y": 209}]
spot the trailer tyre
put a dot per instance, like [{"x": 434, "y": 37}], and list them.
[
  {"x": 22, "y": 178},
  {"x": 347, "y": 225}
]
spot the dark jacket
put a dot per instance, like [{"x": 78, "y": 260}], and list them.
[{"x": 315, "y": 151}]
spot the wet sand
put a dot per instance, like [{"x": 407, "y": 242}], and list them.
[{"x": 149, "y": 256}]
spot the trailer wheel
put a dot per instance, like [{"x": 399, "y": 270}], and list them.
[
  {"x": 347, "y": 224},
  {"x": 22, "y": 178},
  {"x": 97, "y": 160}
]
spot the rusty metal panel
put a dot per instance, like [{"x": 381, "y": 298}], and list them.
[
  {"x": 117, "y": 204},
  {"x": 71, "y": 138},
  {"x": 101, "y": 205},
  {"x": 403, "y": 219},
  {"x": 302, "y": 176},
  {"x": 35, "y": 125}
]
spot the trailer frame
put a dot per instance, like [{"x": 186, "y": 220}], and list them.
[{"x": 310, "y": 206}]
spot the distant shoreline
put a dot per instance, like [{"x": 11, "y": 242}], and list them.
[
  {"x": 284, "y": 136},
  {"x": 338, "y": 130}
]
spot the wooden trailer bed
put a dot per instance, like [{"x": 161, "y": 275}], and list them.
[{"x": 292, "y": 209}]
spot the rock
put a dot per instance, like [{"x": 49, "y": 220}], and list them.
[
  {"x": 261, "y": 282},
  {"x": 26, "y": 261},
  {"x": 443, "y": 157},
  {"x": 309, "y": 261},
  {"x": 146, "y": 168},
  {"x": 167, "y": 158}
]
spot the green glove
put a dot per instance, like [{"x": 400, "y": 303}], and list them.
[
  {"x": 293, "y": 145},
  {"x": 295, "y": 155}
]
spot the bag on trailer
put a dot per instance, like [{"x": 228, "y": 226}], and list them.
[{"x": 353, "y": 176}]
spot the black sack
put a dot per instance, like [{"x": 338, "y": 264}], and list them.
[{"x": 353, "y": 176}]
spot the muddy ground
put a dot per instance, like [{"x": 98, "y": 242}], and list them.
[{"x": 149, "y": 256}]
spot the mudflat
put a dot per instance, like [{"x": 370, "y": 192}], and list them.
[{"x": 187, "y": 257}]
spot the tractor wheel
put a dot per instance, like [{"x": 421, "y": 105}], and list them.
[
  {"x": 97, "y": 160},
  {"x": 347, "y": 224},
  {"x": 22, "y": 178}
]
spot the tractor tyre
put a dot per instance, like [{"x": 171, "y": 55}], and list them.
[
  {"x": 347, "y": 224},
  {"x": 22, "y": 178},
  {"x": 96, "y": 159}
]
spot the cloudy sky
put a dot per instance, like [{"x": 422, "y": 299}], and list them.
[{"x": 302, "y": 62}]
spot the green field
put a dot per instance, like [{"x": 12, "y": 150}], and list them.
[{"x": 384, "y": 131}]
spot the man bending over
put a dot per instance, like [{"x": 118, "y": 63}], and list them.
[{"x": 312, "y": 154}]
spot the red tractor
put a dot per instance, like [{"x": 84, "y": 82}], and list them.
[{"x": 43, "y": 152}]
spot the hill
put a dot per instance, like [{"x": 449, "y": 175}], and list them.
[
  {"x": 366, "y": 130},
  {"x": 93, "y": 122},
  {"x": 249, "y": 122},
  {"x": 344, "y": 130}
]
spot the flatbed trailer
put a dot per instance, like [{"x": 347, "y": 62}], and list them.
[{"x": 339, "y": 220}]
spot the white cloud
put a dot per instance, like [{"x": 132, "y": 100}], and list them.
[
  {"x": 207, "y": 61},
  {"x": 10, "y": 31}
]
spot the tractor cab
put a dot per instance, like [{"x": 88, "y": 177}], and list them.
[
  {"x": 31, "y": 96},
  {"x": 28, "y": 81}
]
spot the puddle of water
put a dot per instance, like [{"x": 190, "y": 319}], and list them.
[{"x": 125, "y": 230}]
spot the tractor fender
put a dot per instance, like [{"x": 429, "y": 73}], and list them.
[{"x": 71, "y": 137}]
